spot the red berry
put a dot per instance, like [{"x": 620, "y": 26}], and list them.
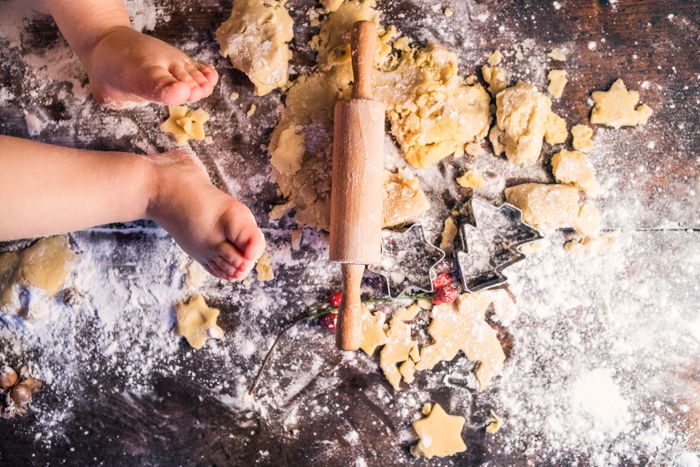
[
  {"x": 443, "y": 280},
  {"x": 335, "y": 299},
  {"x": 444, "y": 295},
  {"x": 328, "y": 321}
]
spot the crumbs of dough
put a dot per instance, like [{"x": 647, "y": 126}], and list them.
[
  {"x": 185, "y": 124},
  {"x": 557, "y": 82},
  {"x": 582, "y": 137},
  {"x": 263, "y": 268}
]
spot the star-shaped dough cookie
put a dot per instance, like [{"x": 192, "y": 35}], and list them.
[
  {"x": 373, "y": 334},
  {"x": 617, "y": 107},
  {"x": 440, "y": 434},
  {"x": 196, "y": 321},
  {"x": 185, "y": 123}
]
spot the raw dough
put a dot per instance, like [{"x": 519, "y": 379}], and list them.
[
  {"x": 461, "y": 325},
  {"x": 590, "y": 245},
  {"x": 521, "y": 121},
  {"x": 552, "y": 206},
  {"x": 400, "y": 347},
  {"x": 495, "y": 58},
  {"x": 264, "y": 268},
  {"x": 185, "y": 123},
  {"x": 449, "y": 232},
  {"x": 557, "y": 54},
  {"x": 618, "y": 107},
  {"x": 255, "y": 39},
  {"x": 557, "y": 81},
  {"x": 494, "y": 424},
  {"x": 403, "y": 199},
  {"x": 432, "y": 114},
  {"x": 45, "y": 265},
  {"x": 196, "y": 322},
  {"x": 555, "y": 132},
  {"x": 582, "y": 137},
  {"x": 373, "y": 334},
  {"x": 496, "y": 79},
  {"x": 440, "y": 434},
  {"x": 471, "y": 179},
  {"x": 572, "y": 167}
]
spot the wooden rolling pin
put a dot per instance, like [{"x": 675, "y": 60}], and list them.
[{"x": 357, "y": 190}]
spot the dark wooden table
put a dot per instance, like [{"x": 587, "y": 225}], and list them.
[{"x": 178, "y": 414}]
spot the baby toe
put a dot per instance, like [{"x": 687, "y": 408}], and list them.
[
  {"x": 172, "y": 92},
  {"x": 181, "y": 74},
  {"x": 232, "y": 256},
  {"x": 229, "y": 270},
  {"x": 213, "y": 269},
  {"x": 197, "y": 75}
]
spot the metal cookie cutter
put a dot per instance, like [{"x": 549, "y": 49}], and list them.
[
  {"x": 407, "y": 261},
  {"x": 489, "y": 241}
]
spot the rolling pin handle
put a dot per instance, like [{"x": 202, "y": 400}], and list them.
[
  {"x": 363, "y": 46},
  {"x": 349, "y": 326}
]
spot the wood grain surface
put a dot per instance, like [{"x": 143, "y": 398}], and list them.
[{"x": 177, "y": 422}]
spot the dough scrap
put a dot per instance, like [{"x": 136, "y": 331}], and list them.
[
  {"x": 495, "y": 423},
  {"x": 44, "y": 265},
  {"x": 264, "y": 268},
  {"x": 255, "y": 39},
  {"x": 449, "y": 232},
  {"x": 555, "y": 132},
  {"x": 461, "y": 325},
  {"x": 185, "y": 123},
  {"x": 553, "y": 206},
  {"x": 572, "y": 167},
  {"x": 557, "y": 82},
  {"x": 195, "y": 275},
  {"x": 431, "y": 112},
  {"x": 495, "y": 58},
  {"x": 399, "y": 346},
  {"x": 557, "y": 54},
  {"x": 471, "y": 179},
  {"x": 496, "y": 79},
  {"x": 582, "y": 137},
  {"x": 403, "y": 199},
  {"x": 373, "y": 334},
  {"x": 521, "y": 121},
  {"x": 196, "y": 321},
  {"x": 619, "y": 107},
  {"x": 440, "y": 434}
]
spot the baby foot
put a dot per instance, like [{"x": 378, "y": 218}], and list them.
[
  {"x": 127, "y": 67},
  {"x": 215, "y": 229}
]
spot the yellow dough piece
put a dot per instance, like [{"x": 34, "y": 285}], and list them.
[
  {"x": 521, "y": 120},
  {"x": 618, "y": 107},
  {"x": 373, "y": 334},
  {"x": 399, "y": 345},
  {"x": 264, "y": 268},
  {"x": 557, "y": 54},
  {"x": 440, "y": 434},
  {"x": 553, "y": 206},
  {"x": 582, "y": 137},
  {"x": 255, "y": 39},
  {"x": 195, "y": 275},
  {"x": 44, "y": 265},
  {"x": 555, "y": 132},
  {"x": 557, "y": 82},
  {"x": 196, "y": 322},
  {"x": 185, "y": 123},
  {"x": 496, "y": 79},
  {"x": 572, "y": 167},
  {"x": 494, "y": 424},
  {"x": 403, "y": 199},
  {"x": 461, "y": 325},
  {"x": 471, "y": 179},
  {"x": 495, "y": 58},
  {"x": 449, "y": 232}
]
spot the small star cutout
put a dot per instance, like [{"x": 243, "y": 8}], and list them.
[
  {"x": 373, "y": 334},
  {"x": 185, "y": 123},
  {"x": 618, "y": 107},
  {"x": 196, "y": 321},
  {"x": 440, "y": 434},
  {"x": 407, "y": 261}
]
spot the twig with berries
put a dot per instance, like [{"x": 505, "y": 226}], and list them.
[
  {"x": 444, "y": 292},
  {"x": 18, "y": 389}
]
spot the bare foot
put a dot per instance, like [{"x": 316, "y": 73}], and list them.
[
  {"x": 128, "y": 67},
  {"x": 215, "y": 229}
]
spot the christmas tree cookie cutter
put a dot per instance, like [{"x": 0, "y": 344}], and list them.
[{"x": 488, "y": 242}]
